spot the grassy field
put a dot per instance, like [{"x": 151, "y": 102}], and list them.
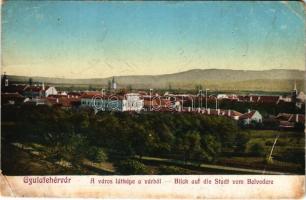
[{"x": 288, "y": 153}]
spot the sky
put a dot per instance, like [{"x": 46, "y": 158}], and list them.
[{"x": 92, "y": 39}]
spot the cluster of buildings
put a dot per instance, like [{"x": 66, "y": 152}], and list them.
[
  {"x": 39, "y": 94},
  {"x": 298, "y": 98}
]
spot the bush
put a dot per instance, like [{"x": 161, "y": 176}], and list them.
[
  {"x": 96, "y": 154},
  {"x": 241, "y": 141},
  {"x": 131, "y": 167},
  {"x": 256, "y": 149}
]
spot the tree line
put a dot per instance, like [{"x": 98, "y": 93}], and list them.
[{"x": 74, "y": 135}]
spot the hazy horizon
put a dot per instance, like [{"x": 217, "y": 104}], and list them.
[
  {"x": 93, "y": 39},
  {"x": 154, "y": 74}
]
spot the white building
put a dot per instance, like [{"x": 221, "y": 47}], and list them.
[
  {"x": 222, "y": 96},
  {"x": 251, "y": 117},
  {"x": 50, "y": 91},
  {"x": 132, "y": 102},
  {"x": 128, "y": 102},
  {"x": 301, "y": 97}
]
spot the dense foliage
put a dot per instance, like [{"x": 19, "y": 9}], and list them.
[{"x": 78, "y": 134}]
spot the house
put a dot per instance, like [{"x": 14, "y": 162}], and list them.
[
  {"x": 222, "y": 96},
  {"x": 232, "y": 114},
  {"x": 301, "y": 97},
  {"x": 36, "y": 101},
  {"x": 297, "y": 118},
  {"x": 63, "y": 101},
  {"x": 251, "y": 117},
  {"x": 287, "y": 120},
  {"x": 283, "y": 116},
  {"x": 39, "y": 91},
  {"x": 156, "y": 103},
  {"x": 268, "y": 99},
  {"x": 75, "y": 95},
  {"x": 127, "y": 102},
  {"x": 259, "y": 99},
  {"x": 220, "y": 112},
  {"x": 285, "y": 98},
  {"x": 132, "y": 102}
]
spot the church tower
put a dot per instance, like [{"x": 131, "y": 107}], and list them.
[
  {"x": 114, "y": 84},
  {"x": 294, "y": 93},
  {"x": 4, "y": 81}
]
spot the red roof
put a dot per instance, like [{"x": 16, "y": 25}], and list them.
[
  {"x": 291, "y": 117},
  {"x": 36, "y": 88},
  {"x": 268, "y": 99},
  {"x": 229, "y": 113},
  {"x": 63, "y": 101},
  {"x": 283, "y": 116},
  {"x": 297, "y": 118},
  {"x": 247, "y": 115},
  {"x": 286, "y": 124},
  {"x": 157, "y": 102},
  {"x": 259, "y": 99},
  {"x": 74, "y": 93},
  {"x": 90, "y": 95}
]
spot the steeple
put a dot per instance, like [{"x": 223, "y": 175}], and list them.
[
  {"x": 5, "y": 81},
  {"x": 114, "y": 84},
  {"x": 294, "y": 88},
  {"x": 294, "y": 93}
]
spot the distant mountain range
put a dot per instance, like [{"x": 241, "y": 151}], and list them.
[{"x": 222, "y": 79}]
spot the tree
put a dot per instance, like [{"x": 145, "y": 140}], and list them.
[
  {"x": 141, "y": 140},
  {"x": 165, "y": 138},
  {"x": 256, "y": 149},
  {"x": 96, "y": 154},
  {"x": 131, "y": 167},
  {"x": 190, "y": 144},
  {"x": 211, "y": 147}
]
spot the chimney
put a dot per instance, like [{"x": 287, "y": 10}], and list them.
[
  {"x": 297, "y": 118},
  {"x": 229, "y": 113}
]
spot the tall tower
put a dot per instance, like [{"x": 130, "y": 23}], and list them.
[
  {"x": 294, "y": 93},
  {"x": 114, "y": 84},
  {"x": 5, "y": 81}
]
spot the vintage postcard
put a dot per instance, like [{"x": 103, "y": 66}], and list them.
[{"x": 153, "y": 99}]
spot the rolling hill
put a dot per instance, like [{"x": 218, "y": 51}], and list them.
[{"x": 275, "y": 80}]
